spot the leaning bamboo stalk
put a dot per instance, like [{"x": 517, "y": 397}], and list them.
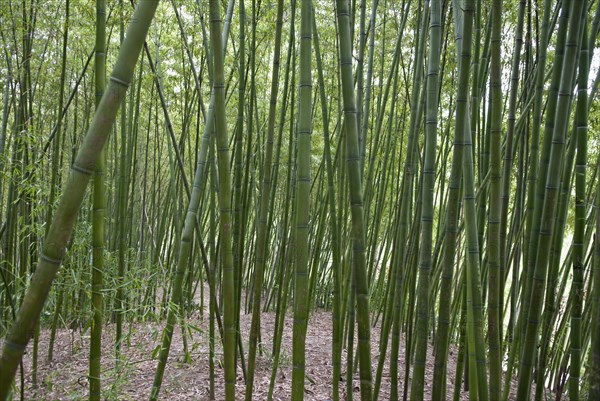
[
  {"x": 193, "y": 210},
  {"x": 61, "y": 228}
]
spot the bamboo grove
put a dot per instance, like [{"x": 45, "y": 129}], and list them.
[{"x": 425, "y": 172}]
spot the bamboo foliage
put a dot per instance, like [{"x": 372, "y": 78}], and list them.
[{"x": 423, "y": 192}]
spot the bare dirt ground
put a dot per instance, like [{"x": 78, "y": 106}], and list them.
[{"x": 66, "y": 377}]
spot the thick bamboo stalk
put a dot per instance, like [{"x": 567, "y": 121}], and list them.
[
  {"x": 495, "y": 278},
  {"x": 303, "y": 177},
  {"x": 577, "y": 288},
  {"x": 64, "y": 219}
]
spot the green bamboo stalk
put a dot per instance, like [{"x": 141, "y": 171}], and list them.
[
  {"x": 263, "y": 210},
  {"x": 6, "y": 106},
  {"x": 182, "y": 263},
  {"x": 550, "y": 314},
  {"x": 451, "y": 237},
  {"x": 214, "y": 261},
  {"x": 303, "y": 173},
  {"x": 62, "y": 225},
  {"x": 521, "y": 189},
  {"x": 353, "y": 163},
  {"x": 460, "y": 363},
  {"x": 494, "y": 217},
  {"x": 119, "y": 307},
  {"x": 550, "y": 200},
  {"x": 277, "y": 273},
  {"x": 239, "y": 209},
  {"x": 379, "y": 120},
  {"x": 507, "y": 166},
  {"x": 477, "y": 359},
  {"x": 365, "y": 102},
  {"x": 594, "y": 359},
  {"x": 336, "y": 343},
  {"x": 427, "y": 214},
  {"x": 360, "y": 77},
  {"x": 98, "y": 227},
  {"x": 403, "y": 236},
  {"x": 577, "y": 288},
  {"x": 222, "y": 143},
  {"x": 186, "y": 235},
  {"x": 187, "y": 231},
  {"x": 56, "y": 148},
  {"x": 285, "y": 263},
  {"x": 538, "y": 167}
]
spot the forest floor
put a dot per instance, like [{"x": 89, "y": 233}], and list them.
[{"x": 66, "y": 377}]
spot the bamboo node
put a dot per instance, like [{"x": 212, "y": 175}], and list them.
[
  {"x": 81, "y": 170},
  {"x": 14, "y": 345},
  {"x": 119, "y": 81},
  {"x": 50, "y": 260}
]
